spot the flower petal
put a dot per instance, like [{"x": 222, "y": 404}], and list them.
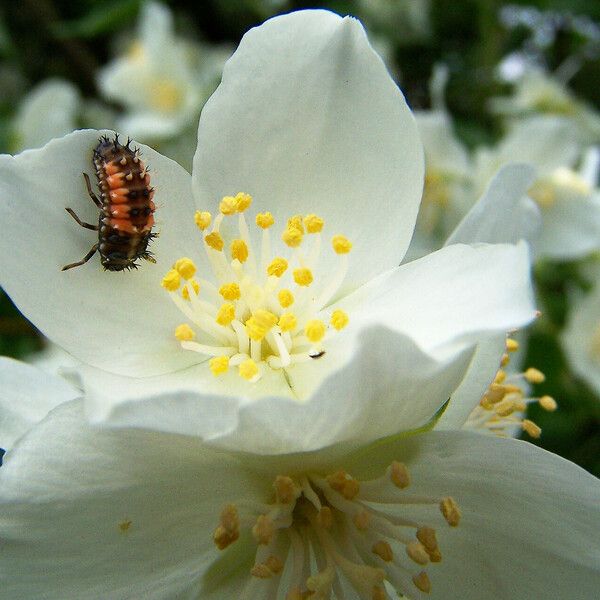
[
  {"x": 307, "y": 119},
  {"x": 88, "y": 513},
  {"x": 118, "y": 321},
  {"x": 27, "y": 395},
  {"x": 529, "y": 518}
]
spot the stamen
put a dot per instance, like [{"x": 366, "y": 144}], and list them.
[
  {"x": 339, "y": 319},
  {"x": 248, "y": 370},
  {"x": 303, "y": 276},
  {"x": 286, "y": 298},
  {"x": 228, "y": 205},
  {"x": 292, "y": 237},
  {"x": 184, "y": 333},
  {"x": 277, "y": 267},
  {"x": 341, "y": 244},
  {"x": 313, "y": 223},
  {"x": 239, "y": 250},
  {"x": 219, "y": 365},
  {"x": 215, "y": 241},
  {"x": 202, "y": 220},
  {"x": 171, "y": 281},
  {"x": 230, "y": 291},
  {"x": 264, "y": 220}
]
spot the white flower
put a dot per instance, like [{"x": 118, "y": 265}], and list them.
[
  {"x": 163, "y": 80},
  {"x": 92, "y": 513},
  {"x": 346, "y": 147}
]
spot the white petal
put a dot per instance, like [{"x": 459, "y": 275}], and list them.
[
  {"x": 27, "y": 394},
  {"x": 307, "y": 119},
  {"x": 529, "y": 526},
  {"x": 456, "y": 296},
  {"x": 504, "y": 214},
  {"x": 66, "y": 489},
  {"x": 121, "y": 321}
]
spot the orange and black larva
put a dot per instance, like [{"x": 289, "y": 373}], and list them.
[{"x": 126, "y": 207}]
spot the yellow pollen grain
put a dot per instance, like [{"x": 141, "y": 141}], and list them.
[
  {"x": 382, "y": 549},
  {"x": 288, "y": 322},
  {"x": 202, "y": 219},
  {"x": 548, "y": 403},
  {"x": 303, "y": 276},
  {"x": 243, "y": 201},
  {"x": 261, "y": 571},
  {"x": 239, "y": 250},
  {"x": 505, "y": 407},
  {"x": 511, "y": 345},
  {"x": 500, "y": 376},
  {"x": 495, "y": 392},
  {"x": 422, "y": 582},
  {"x": 215, "y": 241},
  {"x": 533, "y": 375},
  {"x": 228, "y": 205},
  {"x": 184, "y": 333},
  {"x": 219, "y": 365},
  {"x": 341, "y": 244},
  {"x": 265, "y": 318},
  {"x": 325, "y": 517},
  {"x": 171, "y": 281},
  {"x": 185, "y": 267},
  {"x": 264, "y": 220},
  {"x": 263, "y": 529},
  {"x": 361, "y": 520},
  {"x": 426, "y": 535},
  {"x": 248, "y": 369},
  {"x": 399, "y": 475},
  {"x": 286, "y": 490},
  {"x": 296, "y": 222},
  {"x": 504, "y": 360},
  {"x": 286, "y": 298},
  {"x": 230, "y": 291},
  {"x": 339, "y": 319},
  {"x": 228, "y": 530},
  {"x": 450, "y": 510},
  {"x": 225, "y": 314},
  {"x": 292, "y": 237},
  {"x": 254, "y": 330},
  {"x": 531, "y": 428},
  {"x": 313, "y": 223},
  {"x": 277, "y": 267},
  {"x": 417, "y": 552},
  {"x": 195, "y": 286},
  {"x": 341, "y": 482},
  {"x": 315, "y": 330},
  {"x": 274, "y": 564}
]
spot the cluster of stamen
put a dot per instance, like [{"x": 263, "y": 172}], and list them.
[
  {"x": 258, "y": 311},
  {"x": 502, "y": 408},
  {"x": 318, "y": 531}
]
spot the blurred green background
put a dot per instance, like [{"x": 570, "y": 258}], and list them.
[{"x": 71, "y": 40}]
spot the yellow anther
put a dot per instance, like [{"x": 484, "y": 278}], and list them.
[
  {"x": 339, "y": 319},
  {"x": 450, "y": 510},
  {"x": 422, "y": 582},
  {"x": 264, "y": 528},
  {"x": 504, "y": 360},
  {"x": 239, "y": 250},
  {"x": 225, "y": 314},
  {"x": 341, "y": 244},
  {"x": 230, "y": 291},
  {"x": 505, "y": 407},
  {"x": 303, "y": 276},
  {"x": 341, "y": 482},
  {"x": 219, "y": 365},
  {"x": 426, "y": 535},
  {"x": 248, "y": 369},
  {"x": 534, "y": 375},
  {"x": 286, "y": 491},
  {"x": 313, "y": 223},
  {"x": 286, "y": 298},
  {"x": 315, "y": 330},
  {"x": 228, "y": 530},
  {"x": 265, "y": 318},
  {"x": 399, "y": 475},
  {"x": 171, "y": 281},
  {"x": 185, "y": 267},
  {"x": 325, "y": 517},
  {"x": 548, "y": 403},
  {"x": 254, "y": 330},
  {"x": 296, "y": 222},
  {"x": 261, "y": 571},
  {"x": 274, "y": 564},
  {"x": 243, "y": 201},
  {"x": 500, "y": 376},
  {"x": 382, "y": 549},
  {"x": 511, "y": 345},
  {"x": 495, "y": 392},
  {"x": 361, "y": 520},
  {"x": 531, "y": 428},
  {"x": 292, "y": 237},
  {"x": 195, "y": 286},
  {"x": 417, "y": 552},
  {"x": 277, "y": 267},
  {"x": 228, "y": 205},
  {"x": 202, "y": 219},
  {"x": 543, "y": 193},
  {"x": 215, "y": 241},
  {"x": 264, "y": 220},
  {"x": 184, "y": 333},
  {"x": 288, "y": 322}
]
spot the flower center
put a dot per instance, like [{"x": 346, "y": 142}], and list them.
[
  {"x": 436, "y": 198},
  {"x": 321, "y": 530},
  {"x": 264, "y": 311},
  {"x": 501, "y": 410},
  {"x": 546, "y": 190}
]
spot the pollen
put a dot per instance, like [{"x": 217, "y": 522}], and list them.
[
  {"x": 292, "y": 237},
  {"x": 195, "y": 287},
  {"x": 315, "y": 330},
  {"x": 339, "y": 319},
  {"x": 248, "y": 369},
  {"x": 264, "y": 220},
  {"x": 230, "y": 291},
  {"x": 303, "y": 276},
  {"x": 287, "y": 322},
  {"x": 202, "y": 220},
  {"x": 451, "y": 512},
  {"x": 239, "y": 250},
  {"x": 226, "y": 314},
  {"x": 286, "y": 298},
  {"x": 171, "y": 281},
  {"x": 383, "y": 550},
  {"x": 548, "y": 403},
  {"x": 341, "y": 244},
  {"x": 243, "y": 201},
  {"x": 184, "y": 333},
  {"x": 219, "y": 365},
  {"x": 313, "y": 223},
  {"x": 185, "y": 267},
  {"x": 511, "y": 345},
  {"x": 296, "y": 222},
  {"x": 228, "y": 205},
  {"x": 399, "y": 475},
  {"x": 531, "y": 428},
  {"x": 534, "y": 375},
  {"x": 277, "y": 267},
  {"x": 215, "y": 241}
]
